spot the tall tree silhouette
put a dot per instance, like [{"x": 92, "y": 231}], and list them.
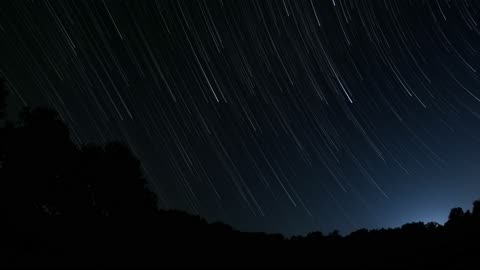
[
  {"x": 46, "y": 174},
  {"x": 36, "y": 161},
  {"x": 50, "y": 187},
  {"x": 456, "y": 215},
  {"x": 476, "y": 209}
]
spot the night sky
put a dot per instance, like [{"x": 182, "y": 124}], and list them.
[{"x": 277, "y": 116}]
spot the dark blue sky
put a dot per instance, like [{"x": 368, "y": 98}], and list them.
[{"x": 278, "y": 116}]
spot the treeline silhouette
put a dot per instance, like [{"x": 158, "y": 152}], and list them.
[{"x": 68, "y": 205}]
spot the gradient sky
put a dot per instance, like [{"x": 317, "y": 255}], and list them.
[{"x": 277, "y": 116}]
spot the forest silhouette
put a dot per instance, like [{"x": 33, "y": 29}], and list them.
[{"x": 68, "y": 205}]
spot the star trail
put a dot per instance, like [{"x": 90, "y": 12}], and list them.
[{"x": 281, "y": 116}]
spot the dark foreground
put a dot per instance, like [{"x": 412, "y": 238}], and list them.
[{"x": 175, "y": 239}]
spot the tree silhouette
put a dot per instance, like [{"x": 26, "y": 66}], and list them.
[
  {"x": 334, "y": 235},
  {"x": 316, "y": 236},
  {"x": 35, "y": 161},
  {"x": 456, "y": 215},
  {"x": 476, "y": 209},
  {"x": 52, "y": 189}
]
